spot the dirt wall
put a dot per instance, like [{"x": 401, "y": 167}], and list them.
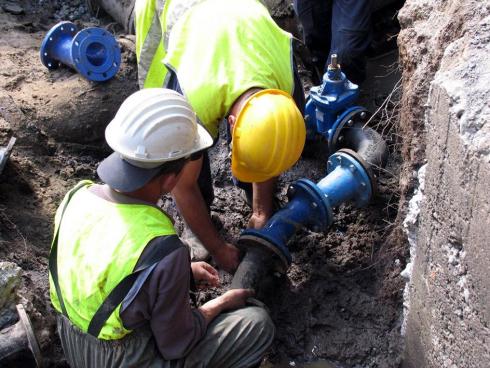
[{"x": 444, "y": 49}]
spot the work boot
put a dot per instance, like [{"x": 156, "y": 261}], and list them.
[{"x": 196, "y": 249}]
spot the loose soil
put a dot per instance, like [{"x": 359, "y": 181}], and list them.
[{"x": 341, "y": 298}]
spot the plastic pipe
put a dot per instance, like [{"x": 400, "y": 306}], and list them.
[
  {"x": 367, "y": 143},
  {"x": 93, "y": 52},
  {"x": 122, "y": 11}
]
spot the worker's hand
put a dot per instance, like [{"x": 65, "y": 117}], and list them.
[
  {"x": 232, "y": 299},
  {"x": 258, "y": 220},
  {"x": 204, "y": 274},
  {"x": 235, "y": 298},
  {"x": 227, "y": 257}
]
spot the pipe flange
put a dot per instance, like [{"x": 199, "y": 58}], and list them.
[
  {"x": 62, "y": 29},
  {"x": 96, "y": 54},
  {"x": 348, "y": 159},
  {"x": 366, "y": 167},
  {"x": 281, "y": 256},
  {"x": 320, "y": 204},
  {"x": 350, "y": 117}
]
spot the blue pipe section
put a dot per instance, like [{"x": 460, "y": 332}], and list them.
[
  {"x": 93, "y": 52},
  {"x": 347, "y": 180},
  {"x": 311, "y": 205}
]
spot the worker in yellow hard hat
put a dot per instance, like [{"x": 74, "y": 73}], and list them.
[{"x": 231, "y": 60}]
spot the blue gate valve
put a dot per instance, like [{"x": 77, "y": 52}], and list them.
[
  {"x": 93, "y": 52},
  {"x": 311, "y": 205},
  {"x": 327, "y": 101}
]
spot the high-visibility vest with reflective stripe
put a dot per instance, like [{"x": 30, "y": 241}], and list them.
[
  {"x": 99, "y": 244},
  {"x": 218, "y": 49}
]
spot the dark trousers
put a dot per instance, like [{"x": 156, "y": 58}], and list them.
[{"x": 341, "y": 27}]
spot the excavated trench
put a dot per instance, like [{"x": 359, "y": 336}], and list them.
[{"x": 340, "y": 304}]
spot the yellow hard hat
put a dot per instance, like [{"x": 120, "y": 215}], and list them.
[{"x": 268, "y": 136}]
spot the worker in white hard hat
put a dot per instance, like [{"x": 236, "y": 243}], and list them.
[
  {"x": 232, "y": 62},
  {"x": 120, "y": 276}
]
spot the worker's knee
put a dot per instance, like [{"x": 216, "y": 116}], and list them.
[{"x": 260, "y": 322}]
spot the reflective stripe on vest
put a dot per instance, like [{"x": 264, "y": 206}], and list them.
[
  {"x": 99, "y": 244},
  {"x": 218, "y": 49},
  {"x": 149, "y": 23}
]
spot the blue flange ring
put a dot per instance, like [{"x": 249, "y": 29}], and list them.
[
  {"x": 251, "y": 237},
  {"x": 96, "y": 54},
  {"x": 352, "y": 115},
  {"x": 322, "y": 210},
  {"x": 51, "y": 41}
]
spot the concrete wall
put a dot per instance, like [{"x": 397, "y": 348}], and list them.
[{"x": 448, "y": 224}]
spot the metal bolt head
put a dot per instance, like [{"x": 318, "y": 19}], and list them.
[
  {"x": 340, "y": 138},
  {"x": 291, "y": 191},
  {"x": 350, "y": 122},
  {"x": 314, "y": 204},
  {"x": 363, "y": 115},
  {"x": 352, "y": 167}
]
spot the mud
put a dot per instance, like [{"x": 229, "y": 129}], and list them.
[{"x": 340, "y": 303}]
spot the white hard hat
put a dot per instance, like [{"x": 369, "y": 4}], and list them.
[{"x": 156, "y": 125}]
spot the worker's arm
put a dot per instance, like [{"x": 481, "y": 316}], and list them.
[
  {"x": 262, "y": 205},
  {"x": 163, "y": 301},
  {"x": 193, "y": 208},
  {"x": 232, "y": 299},
  {"x": 204, "y": 275}
]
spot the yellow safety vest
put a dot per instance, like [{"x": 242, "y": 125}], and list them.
[
  {"x": 99, "y": 244},
  {"x": 218, "y": 49}
]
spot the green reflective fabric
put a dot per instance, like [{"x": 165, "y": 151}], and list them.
[
  {"x": 219, "y": 49},
  {"x": 150, "y": 51},
  {"x": 99, "y": 243}
]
